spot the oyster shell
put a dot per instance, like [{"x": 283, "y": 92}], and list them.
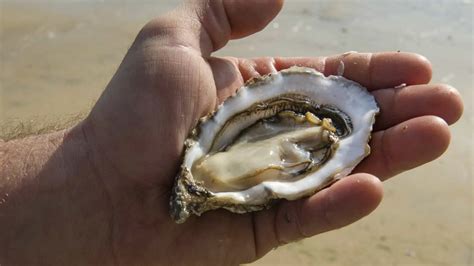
[{"x": 282, "y": 136}]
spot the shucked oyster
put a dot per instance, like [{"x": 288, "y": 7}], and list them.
[{"x": 283, "y": 136}]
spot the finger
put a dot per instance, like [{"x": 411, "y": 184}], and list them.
[
  {"x": 361, "y": 68},
  {"x": 231, "y": 73},
  {"x": 398, "y": 105},
  {"x": 207, "y": 25},
  {"x": 227, "y": 76},
  {"x": 371, "y": 70},
  {"x": 343, "y": 203},
  {"x": 405, "y": 146},
  {"x": 381, "y": 70}
]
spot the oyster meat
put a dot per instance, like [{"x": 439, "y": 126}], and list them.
[{"x": 282, "y": 136}]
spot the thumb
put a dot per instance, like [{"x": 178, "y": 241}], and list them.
[{"x": 207, "y": 25}]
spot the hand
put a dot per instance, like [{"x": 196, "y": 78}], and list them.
[{"x": 169, "y": 79}]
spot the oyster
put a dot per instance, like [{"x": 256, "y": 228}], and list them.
[{"x": 282, "y": 136}]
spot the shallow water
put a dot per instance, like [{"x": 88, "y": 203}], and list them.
[{"x": 57, "y": 56}]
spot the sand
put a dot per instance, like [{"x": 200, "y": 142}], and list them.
[{"x": 57, "y": 56}]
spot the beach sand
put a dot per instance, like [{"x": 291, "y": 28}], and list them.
[{"x": 57, "y": 56}]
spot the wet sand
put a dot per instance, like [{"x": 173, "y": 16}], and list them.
[{"x": 57, "y": 56}]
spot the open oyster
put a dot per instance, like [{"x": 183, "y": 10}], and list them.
[{"x": 285, "y": 135}]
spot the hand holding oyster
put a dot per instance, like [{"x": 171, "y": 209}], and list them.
[
  {"x": 99, "y": 192},
  {"x": 282, "y": 136}
]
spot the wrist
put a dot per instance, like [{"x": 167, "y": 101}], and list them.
[{"x": 57, "y": 210}]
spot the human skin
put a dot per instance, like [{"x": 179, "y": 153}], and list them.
[{"x": 98, "y": 193}]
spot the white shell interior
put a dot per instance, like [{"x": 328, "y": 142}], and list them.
[{"x": 346, "y": 95}]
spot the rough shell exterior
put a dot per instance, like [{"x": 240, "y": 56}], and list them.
[{"x": 189, "y": 196}]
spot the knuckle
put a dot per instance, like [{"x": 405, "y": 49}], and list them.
[
  {"x": 288, "y": 223},
  {"x": 387, "y": 155}
]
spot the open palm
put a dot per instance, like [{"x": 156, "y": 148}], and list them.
[{"x": 169, "y": 79}]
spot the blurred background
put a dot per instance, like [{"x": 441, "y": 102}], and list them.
[{"x": 57, "y": 56}]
